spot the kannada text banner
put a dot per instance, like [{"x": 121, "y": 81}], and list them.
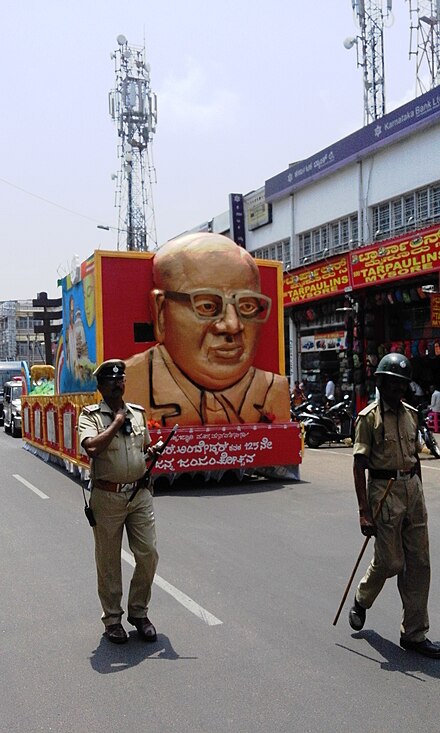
[
  {"x": 396, "y": 259},
  {"x": 319, "y": 281}
]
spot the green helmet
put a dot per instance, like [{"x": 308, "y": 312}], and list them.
[{"x": 395, "y": 365}]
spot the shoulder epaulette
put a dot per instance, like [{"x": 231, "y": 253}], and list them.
[
  {"x": 369, "y": 408},
  {"x": 91, "y": 408},
  {"x": 410, "y": 407},
  {"x": 135, "y": 407}
]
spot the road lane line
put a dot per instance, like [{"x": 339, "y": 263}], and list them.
[
  {"x": 30, "y": 486},
  {"x": 177, "y": 594}
]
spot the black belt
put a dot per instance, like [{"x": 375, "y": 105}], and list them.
[{"x": 379, "y": 473}]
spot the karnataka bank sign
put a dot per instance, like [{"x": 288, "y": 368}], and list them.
[{"x": 393, "y": 259}]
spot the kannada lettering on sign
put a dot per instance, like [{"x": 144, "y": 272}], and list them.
[
  {"x": 398, "y": 259},
  {"x": 201, "y": 449},
  {"x": 435, "y": 310},
  {"x": 322, "y": 280}
]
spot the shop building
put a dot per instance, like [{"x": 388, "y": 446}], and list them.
[
  {"x": 18, "y": 340},
  {"x": 357, "y": 228}
]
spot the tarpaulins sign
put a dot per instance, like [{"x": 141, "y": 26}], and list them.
[
  {"x": 394, "y": 259},
  {"x": 400, "y": 258},
  {"x": 324, "y": 279}
]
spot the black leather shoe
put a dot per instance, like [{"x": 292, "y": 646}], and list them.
[
  {"x": 116, "y": 634},
  {"x": 425, "y": 647},
  {"x": 357, "y": 616},
  {"x": 144, "y": 627}
]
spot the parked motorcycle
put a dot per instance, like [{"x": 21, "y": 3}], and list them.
[
  {"x": 427, "y": 434},
  {"x": 334, "y": 426},
  {"x": 310, "y": 407}
]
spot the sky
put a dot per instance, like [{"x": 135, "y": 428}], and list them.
[{"x": 244, "y": 88}]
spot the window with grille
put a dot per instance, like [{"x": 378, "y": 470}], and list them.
[
  {"x": 409, "y": 209},
  {"x": 279, "y": 251},
  {"x": 396, "y": 215},
  {"x": 307, "y": 244},
  {"x": 435, "y": 201},
  {"x": 422, "y": 205},
  {"x": 383, "y": 220},
  {"x": 354, "y": 229}
]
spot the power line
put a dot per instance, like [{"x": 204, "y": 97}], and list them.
[{"x": 47, "y": 201}]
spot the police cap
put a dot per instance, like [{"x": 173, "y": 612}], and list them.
[{"x": 110, "y": 369}]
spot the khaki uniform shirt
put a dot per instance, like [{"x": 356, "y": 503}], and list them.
[
  {"x": 123, "y": 460},
  {"x": 390, "y": 441},
  {"x": 154, "y": 380}
]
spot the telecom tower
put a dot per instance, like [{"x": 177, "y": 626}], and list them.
[
  {"x": 370, "y": 17},
  {"x": 133, "y": 107},
  {"x": 425, "y": 42}
]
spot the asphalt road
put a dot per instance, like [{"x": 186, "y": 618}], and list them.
[{"x": 250, "y": 578}]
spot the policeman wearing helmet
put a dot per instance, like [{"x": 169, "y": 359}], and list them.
[{"x": 386, "y": 447}]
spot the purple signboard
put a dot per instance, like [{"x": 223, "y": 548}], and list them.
[
  {"x": 418, "y": 113},
  {"x": 236, "y": 213}
]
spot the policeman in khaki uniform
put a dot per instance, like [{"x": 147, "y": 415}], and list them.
[
  {"x": 115, "y": 436},
  {"x": 387, "y": 446}
]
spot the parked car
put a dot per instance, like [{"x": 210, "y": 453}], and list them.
[
  {"x": 12, "y": 407},
  {"x": 8, "y": 370}
]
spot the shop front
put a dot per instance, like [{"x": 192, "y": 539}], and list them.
[{"x": 345, "y": 313}]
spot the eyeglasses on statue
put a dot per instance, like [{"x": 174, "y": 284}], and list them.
[{"x": 210, "y": 304}]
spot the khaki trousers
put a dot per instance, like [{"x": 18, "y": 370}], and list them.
[
  {"x": 401, "y": 548},
  {"x": 112, "y": 513}
]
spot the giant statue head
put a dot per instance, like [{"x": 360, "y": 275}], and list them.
[{"x": 208, "y": 307}]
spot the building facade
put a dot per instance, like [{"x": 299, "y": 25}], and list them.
[
  {"x": 18, "y": 342},
  {"x": 357, "y": 228}
]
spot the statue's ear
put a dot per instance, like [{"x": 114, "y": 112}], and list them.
[{"x": 157, "y": 302}]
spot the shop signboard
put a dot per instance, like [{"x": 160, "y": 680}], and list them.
[
  {"x": 258, "y": 212},
  {"x": 417, "y": 253},
  {"x": 333, "y": 341},
  {"x": 399, "y": 258},
  {"x": 318, "y": 281}
]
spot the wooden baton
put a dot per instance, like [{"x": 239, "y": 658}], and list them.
[{"x": 364, "y": 547}]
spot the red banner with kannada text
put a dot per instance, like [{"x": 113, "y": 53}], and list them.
[
  {"x": 317, "y": 281},
  {"x": 414, "y": 253},
  {"x": 231, "y": 447},
  {"x": 406, "y": 256}
]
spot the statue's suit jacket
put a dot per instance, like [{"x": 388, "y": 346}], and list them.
[{"x": 169, "y": 396}]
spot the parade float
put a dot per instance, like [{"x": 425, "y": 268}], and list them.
[
  {"x": 107, "y": 314},
  {"x": 234, "y": 414}
]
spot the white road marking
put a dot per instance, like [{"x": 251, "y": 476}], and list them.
[
  {"x": 30, "y": 486},
  {"x": 177, "y": 594}
]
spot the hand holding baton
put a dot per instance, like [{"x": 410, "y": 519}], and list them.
[
  {"x": 158, "y": 451},
  {"x": 364, "y": 547}
]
